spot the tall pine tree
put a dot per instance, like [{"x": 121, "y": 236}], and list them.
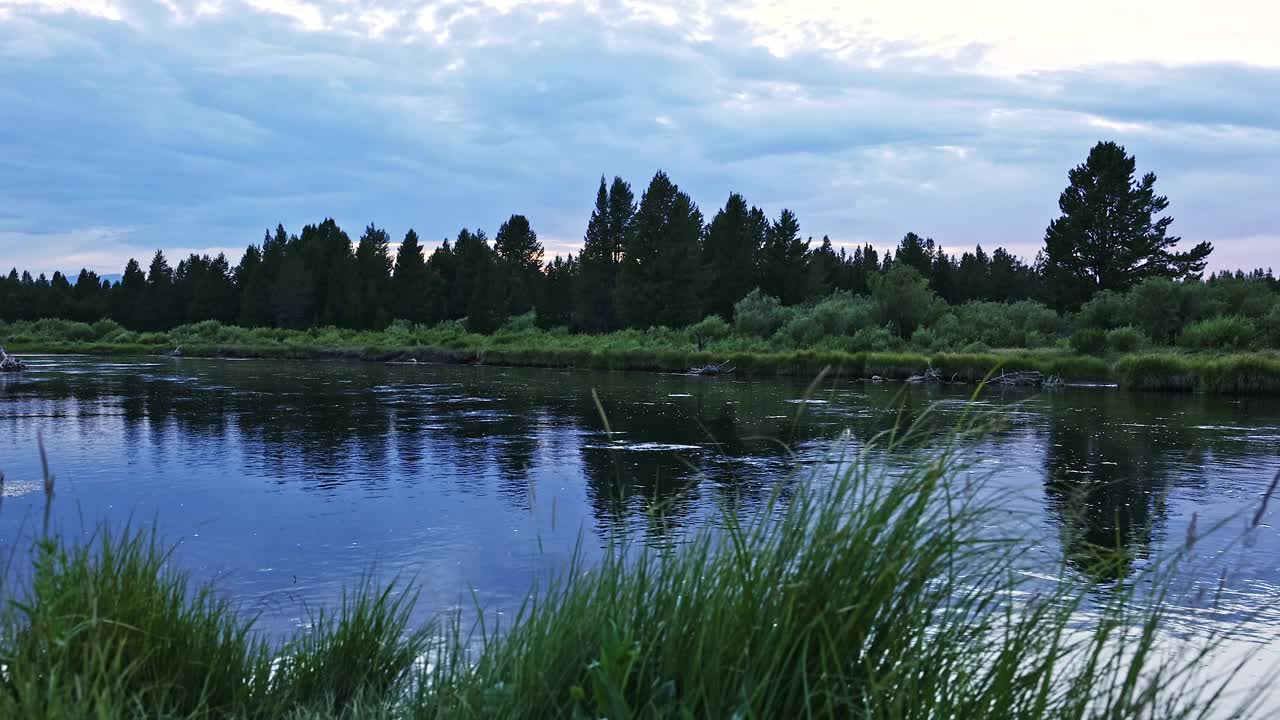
[{"x": 1109, "y": 236}]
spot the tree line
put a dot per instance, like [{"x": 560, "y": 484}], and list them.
[{"x": 656, "y": 261}]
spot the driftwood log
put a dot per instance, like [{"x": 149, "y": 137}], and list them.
[
  {"x": 10, "y": 363},
  {"x": 929, "y": 376},
  {"x": 712, "y": 369}
]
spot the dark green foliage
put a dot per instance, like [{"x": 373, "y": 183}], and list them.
[
  {"x": 1089, "y": 341},
  {"x": 784, "y": 261},
  {"x": 411, "y": 283},
  {"x": 759, "y": 314},
  {"x": 601, "y": 257},
  {"x": 659, "y": 280},
  {"x": 1109, "y": 236},
  {"x": 917, "y": 252},
  {"x": 734, "y": 239},
  {"x": 1125, "y": 339},
  {"x": 1221, "y": 334},
  {"x": 519, "y": 258},
  {"x": 656, "y": 265},
  {"x": 373, "y": 276},
  {"x": 903, "y": 300},
  {"x": 159, "y": 308},
  {"x": 560, "y": 292}
]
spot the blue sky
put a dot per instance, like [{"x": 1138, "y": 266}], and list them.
[{"x": 131, "y": 125}]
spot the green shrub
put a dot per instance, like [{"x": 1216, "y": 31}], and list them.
[
  {"x": 873, "y": 339},
  {"x": 1007, "y": 325},
  {"x": 1269, "y": 328},
  {"x": 106, "y": 329},
  {"x": 1125, "y": 339},
  {"x": 1158, "y": 307},
  {"x": 1225, "y": 334},
  {"x": 1089, "y": 341},
  {"x": 711, "y": 327},
  {"x": 926, "y": 339},
  {"x": 975, "y": 348},
  {"x": 801, "y": 331},
  {"x": 759, "y": 314},
  {"x": 520, "y": 323},
  {"x": 843, "y": 313},
  {"x": 1106, "y": 310},
  {"x": 903, "y": 301}
]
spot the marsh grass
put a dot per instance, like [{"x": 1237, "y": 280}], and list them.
[{"x": 669, "y": 350}]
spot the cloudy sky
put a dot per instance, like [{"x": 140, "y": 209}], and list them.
[{"x": 131, "y": 125}]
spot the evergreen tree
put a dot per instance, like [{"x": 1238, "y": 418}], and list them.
[
  {"x": 471, "y": 283},
  {"x": 658, "y": 282},
  {"x": 824, "y": 269},
  {"x": 411, "y": 282},
  {"x": 973, "y": 276},
  {"x": 784, "y": 268},
  {"x": 126, "y": 304},
  {"x": 864, "y": 265},
  {"x": 519, "y": 256},
  {"x": 559, "y": 298},
  {"x": 1108, "y": 236},
  {"x": 373, "y": 275},
  {"x": 942, "y": 277},
  {"x": 293, "y": 292},
  {"x": 91, "y": 300},
  {"x": 10, "y": 302},
  {"x": 916, "y": 252},
  {"x": 442, "y": 267},
  {"x": 601, "y": 256},
  {"x": 486, "y": 289},
  {"x": 255, "y": 289},
  {"x": 325, "y": 250},
  {"x": 161, "y": 308},
  {"x": 729, "y": 255}
]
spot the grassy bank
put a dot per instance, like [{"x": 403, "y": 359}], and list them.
[
  {"x": 856, "y": 598},
  {"x": 661, "y": 350}
]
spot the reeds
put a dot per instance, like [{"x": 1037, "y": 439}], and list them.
[{"x": 661, "y": 350}]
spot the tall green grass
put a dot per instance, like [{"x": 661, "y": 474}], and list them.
[
  {"x": 676, "y": 350},
  {"x": 1241, "y": 374},
  {"x": 865, "y": 595}
]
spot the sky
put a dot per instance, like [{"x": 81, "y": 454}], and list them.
[{"x": 192, "y": 126}]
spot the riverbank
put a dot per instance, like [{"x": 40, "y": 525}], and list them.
[
  {"x": 859, "y": 598},
  {"x": 660, "y": 350}
]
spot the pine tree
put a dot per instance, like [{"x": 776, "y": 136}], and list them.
[
  {"x": 293, "y": 292},
  {"x": 255, "y": 289},
  {"x": 519, "y": 256},
  {"x": 784, "y": 271},
  {"x": 558, "y": 300},
  {"x": 1108, "y": 236},
  {"x": 160, "y": 309},
  {"x": 658, "y": 281},
  {"x": 373, "y": 275},
  {"x": 729, "y": 255},
  {"x": 411, "y": 282},
  {"x": 126, "y": 304},
  {"x": 916, "y": 252}
]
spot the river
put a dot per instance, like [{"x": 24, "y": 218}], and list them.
[{"x": 285, "y": 481}]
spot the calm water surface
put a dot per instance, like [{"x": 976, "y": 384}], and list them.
[{"x": 287, "y": 480}]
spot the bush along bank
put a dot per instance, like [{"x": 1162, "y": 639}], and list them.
[{"x": 862, "y": 355}]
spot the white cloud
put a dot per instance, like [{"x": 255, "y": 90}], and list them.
[{"x": 198, "y": 122}]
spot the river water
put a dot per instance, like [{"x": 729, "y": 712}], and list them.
[{"x": 285, "y": 481}]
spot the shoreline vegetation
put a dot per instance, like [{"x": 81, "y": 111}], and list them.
[
  {"x": 657, "y": 285},
  {"x": 854, "y": 597},
  {"x": 522, "y": 344}
]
